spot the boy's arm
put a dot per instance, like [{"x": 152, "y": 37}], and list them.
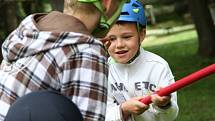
[
  {"x": 113, "y": 112},
  {"x": 170, "y": 111}
]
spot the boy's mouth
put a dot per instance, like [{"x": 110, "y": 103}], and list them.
[{"x": 121, "y": 52}]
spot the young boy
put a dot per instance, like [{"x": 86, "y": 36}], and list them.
[
  {"x": 57, "y": 51},
  {"x": 135, "y": 72}
]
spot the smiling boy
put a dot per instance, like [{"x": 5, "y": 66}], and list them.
[{"x": 135, "y": 72}]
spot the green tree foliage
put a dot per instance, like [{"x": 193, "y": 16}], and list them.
[{"x": 13, "y": 11}]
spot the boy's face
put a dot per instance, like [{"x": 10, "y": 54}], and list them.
[{"x": 125, "y": 41}]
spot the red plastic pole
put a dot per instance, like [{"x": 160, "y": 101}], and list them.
[{"x": 182, "y": 83}]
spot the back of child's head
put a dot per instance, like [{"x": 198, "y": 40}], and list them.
[
  {"x": 93, "y": 8},
  {"x": 133, "y": 11},
  {"x": 79, "y": 7}
]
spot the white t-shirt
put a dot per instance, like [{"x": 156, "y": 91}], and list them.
[{"x": 147, "y": 72}]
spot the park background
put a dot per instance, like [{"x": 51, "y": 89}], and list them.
[{"x": 180, "y": 31}]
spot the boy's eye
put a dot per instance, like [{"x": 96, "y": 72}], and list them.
[
  {"x": 112, "y": 38},
  {"x": 127, "y": 37}
]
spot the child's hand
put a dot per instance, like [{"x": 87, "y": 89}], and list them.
[
  {"x": 161, "y": 101},
  {"x": 133, "y": 106},
  {"x": 106, "y": 42}
]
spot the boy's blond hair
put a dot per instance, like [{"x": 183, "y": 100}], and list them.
[{"x": 82, "y": 8}]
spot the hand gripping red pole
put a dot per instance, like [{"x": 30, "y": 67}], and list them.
[{"x": 182, "y": 83}]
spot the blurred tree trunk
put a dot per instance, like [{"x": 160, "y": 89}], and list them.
[
  {"x": 57, "y": 4},
  {"x": 33, "y": 6},
  {"x": 9, "y": 19},
  {"x": 10, "y": 16},
  {"x": 204, "y": 26},
  {"x": 28, "y": 7}
]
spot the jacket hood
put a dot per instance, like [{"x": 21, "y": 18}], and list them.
[{"x": 28, "y": 39}]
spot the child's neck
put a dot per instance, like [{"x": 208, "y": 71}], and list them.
[{"x": 135, "y": 56}]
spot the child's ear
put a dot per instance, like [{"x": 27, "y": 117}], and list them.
[{"x": 142, "y": 34}]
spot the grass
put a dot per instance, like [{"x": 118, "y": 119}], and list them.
[{"x": 196, "y": 102}]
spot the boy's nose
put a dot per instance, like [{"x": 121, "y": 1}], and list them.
[{"x": 120, "y": 43}]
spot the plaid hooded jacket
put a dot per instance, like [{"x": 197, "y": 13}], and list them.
[{"x": 71, "y": 63}]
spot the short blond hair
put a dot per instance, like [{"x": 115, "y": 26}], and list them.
[{"x": 76, "y": 6}]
